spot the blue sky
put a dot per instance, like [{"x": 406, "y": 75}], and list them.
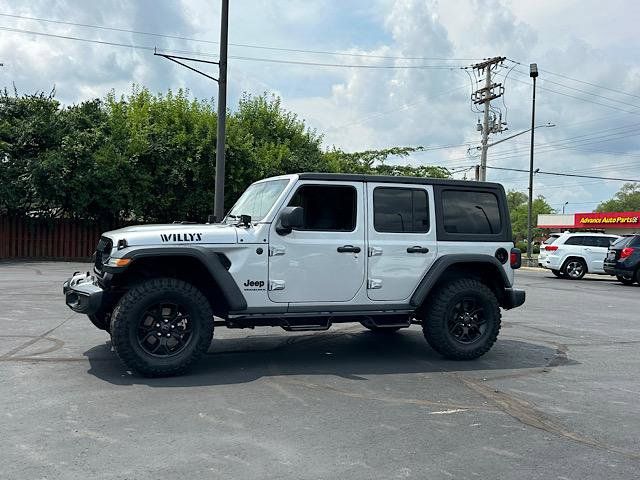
[{"x": 361, "y": 108}]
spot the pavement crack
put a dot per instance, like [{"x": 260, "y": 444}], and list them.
[
  {"x": 527, "y": 414},
  {"x": 35, "y": 339}
]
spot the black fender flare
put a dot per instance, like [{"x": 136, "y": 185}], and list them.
[
  {"x": 209, "y": 258},
  {"x": 441, "y": 264}
]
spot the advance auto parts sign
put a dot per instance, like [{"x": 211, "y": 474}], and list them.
[{"x": 617, "y": 219}]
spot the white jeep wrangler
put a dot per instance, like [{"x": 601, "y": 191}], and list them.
[{"x": 302, "y": 252}]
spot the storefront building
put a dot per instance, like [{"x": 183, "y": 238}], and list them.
[{"x": 619, "y": 223}]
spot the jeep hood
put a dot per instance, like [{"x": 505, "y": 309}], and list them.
[{"x": 174, "y": 233}]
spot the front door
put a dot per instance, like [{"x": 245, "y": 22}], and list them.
[
  {"x": 402, "y": 239},
  {"x": 324, "y": 261}
]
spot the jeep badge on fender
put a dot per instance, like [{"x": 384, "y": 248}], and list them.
[{"x": 439, "y": 254}]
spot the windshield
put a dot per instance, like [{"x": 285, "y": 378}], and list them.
[
  {"x": 550, "y": 240},
  {"x": 257, "y": 200}
]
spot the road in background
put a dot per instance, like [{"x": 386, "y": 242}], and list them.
[{"x": 555, "y": 398}]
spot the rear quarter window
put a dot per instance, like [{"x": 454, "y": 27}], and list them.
[{"x": 471, "y": 212}]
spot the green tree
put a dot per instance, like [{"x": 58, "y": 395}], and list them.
[
  {"x": 148, "y": 157},
  {"x": 519, "y": 211},
  {"x": 626, "y": 199},
  {"x": 373, "y": 162}
]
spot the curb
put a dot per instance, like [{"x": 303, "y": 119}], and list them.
[{"x": 533, "y": 269}]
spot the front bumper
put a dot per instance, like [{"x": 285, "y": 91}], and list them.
[
  {"x": 83, "y": 294},
  {"x": 512, "y": 298}
]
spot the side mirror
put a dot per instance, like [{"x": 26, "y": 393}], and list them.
[{"x": 290, "y": 218}]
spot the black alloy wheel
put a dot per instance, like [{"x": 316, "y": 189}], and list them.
[
  {"x": 466, "y": 322},
  {"x": 164, "y": 329}
]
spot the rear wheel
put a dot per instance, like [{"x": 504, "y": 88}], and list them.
[
  {"x": 574, "y": 268},
  {"x": 162, "y": 327},
  {"x": 625, "y": 280},
  {"x": 463, "y": 320}
]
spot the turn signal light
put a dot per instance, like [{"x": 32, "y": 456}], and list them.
[
  {"x": 551, "y": 248},
  {"x": 626, "y": 252},
  {"x": 122, "y": 262}
]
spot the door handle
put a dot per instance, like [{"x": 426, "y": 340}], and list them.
[
  {"x": 348, "y": 249},
  {"x": 417, "y": 249}
]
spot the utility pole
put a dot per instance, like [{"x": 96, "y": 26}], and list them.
[
  {"x": 533, "y": 73},
  {"x": 484, "y": 95},
  {"x": 218, "y": 199},
  {"x": 218, "y": 205}
]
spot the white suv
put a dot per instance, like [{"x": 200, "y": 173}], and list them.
[
  {"x": 305, "y": 251},
  {"x": 572, "y": 255}
]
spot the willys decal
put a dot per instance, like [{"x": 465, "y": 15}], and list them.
[{"x": 181, "y": 237}]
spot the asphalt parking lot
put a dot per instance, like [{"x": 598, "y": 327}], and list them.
[{"x": 557, "y": 397}]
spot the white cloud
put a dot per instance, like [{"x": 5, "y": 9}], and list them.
[{"x": 372, "y": 108}]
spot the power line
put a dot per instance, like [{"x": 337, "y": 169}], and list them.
[
  {"x": 580, "y": 81},
  {"x": 545, "y": 80},
  {"x": 539, "y": 172},
  {"x": 236, "y": 57},
  {"x": 579, "y": 98},
  {"x": 243, "y": 45}
]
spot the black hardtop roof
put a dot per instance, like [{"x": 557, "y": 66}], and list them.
[{"x": 357, "y": 177}]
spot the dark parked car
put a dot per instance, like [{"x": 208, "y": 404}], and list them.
[{"x": 623, "y": 259}]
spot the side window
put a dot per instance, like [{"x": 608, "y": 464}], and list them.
[
  {"x": 605, "y": 241},
  {"x": 574, "y": 241},
  {"x": 398, "y": 210},
  {"x": 327, "y": 207},
  {"x": 471, "y": 212},
  {"x": 591, "y": 241}
]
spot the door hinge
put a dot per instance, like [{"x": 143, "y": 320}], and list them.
[
  {"x": 374, "y": 251},
  {"x": 374, "y": 283},
  {"x": 275, "y": 250},
  {"x": 276, "y": 285}
]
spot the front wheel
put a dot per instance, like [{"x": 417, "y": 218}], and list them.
[
  {"x": 625, "y": 280},
  {"x": 463, "y": 320},
  {"x": 162, "y": 327}
]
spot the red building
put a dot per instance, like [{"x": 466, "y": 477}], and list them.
[{"x": 609, "y": 222}]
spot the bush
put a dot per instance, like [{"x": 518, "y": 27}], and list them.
[{"x": 523, "y": 247}]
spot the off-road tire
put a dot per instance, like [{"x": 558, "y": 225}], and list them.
[
  {"x": 133, "y": 304},
  {"x": 558, "y": 273},
  {"x": 568, "y": 264},
  {"x": 441, "y": 303},
  {"x": 101, "y": 320},
  {"x": 625, "y": 281}
]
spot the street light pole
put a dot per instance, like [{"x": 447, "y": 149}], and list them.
[
  {"x": 533, "y": 73},
  {"x": 564, "y": 205},
  {"x": 218, "y": 201}
]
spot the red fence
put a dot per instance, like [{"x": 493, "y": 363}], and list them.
[{"x": 59, "y": 239}]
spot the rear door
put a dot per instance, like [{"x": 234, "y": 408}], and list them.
[
  {"x": 595, "y": 250},
  {"x": 401, "y": 239}
]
